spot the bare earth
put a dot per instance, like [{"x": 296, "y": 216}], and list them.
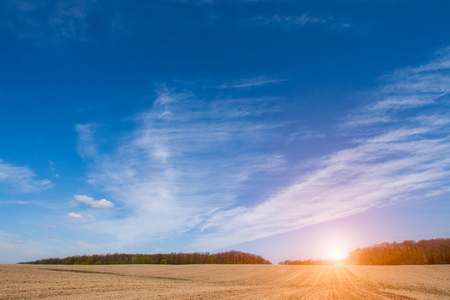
[{"x": 224, "y": 282}]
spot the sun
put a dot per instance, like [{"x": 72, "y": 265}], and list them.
[
  {"x": 336, "y": 253},
  {"x": 335, "y": 248}
]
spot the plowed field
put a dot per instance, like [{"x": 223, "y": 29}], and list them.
[{"x": 224, "y": 282}]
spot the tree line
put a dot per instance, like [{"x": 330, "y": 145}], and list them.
[
  {"x": 229, "y": 257},
  {"x": 423, "y": 252}
]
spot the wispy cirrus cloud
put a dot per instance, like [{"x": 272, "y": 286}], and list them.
[
  {"x": 46, "y": 225},
  {"x": 185, "y": 159},
  {"x": 14, "y": 250},
  {"x": 56, "y": 22},
  {"x": 22, "y": 178},
  {"x": 86, "y": 145},
  {"x": 396, "y": 156},
  {"x": 9, "y": 238},
  {"x": 189, "y": 163},
  {"x": 196, "y": 2},
  {"x": 288, "y": 21},
  {"x": 250, "y": 82},
  {"x": 49, "y": 21}
]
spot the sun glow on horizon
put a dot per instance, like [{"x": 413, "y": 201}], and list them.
[
  {"x": 335, "y": 249},
  {"x": 336, "y": 253}
]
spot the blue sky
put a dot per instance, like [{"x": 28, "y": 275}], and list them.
[{"x": 281, "y": 128}]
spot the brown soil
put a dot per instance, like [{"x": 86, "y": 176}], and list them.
[{"x": 224, "y": 282}]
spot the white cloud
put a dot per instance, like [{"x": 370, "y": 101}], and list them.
[
  {"x": 74, "y": 215},
  {"x": 103, "y": 203},
  {"x": 22, "y": 178},
  {"x": 175, "y": 168},
  {"x": 404, "y": 157},
  {"x": 188, "y": 165}
]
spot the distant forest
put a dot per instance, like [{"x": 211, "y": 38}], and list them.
[
  {"x": 423, "y": 252},
  {"x": 229, "y": 257}
]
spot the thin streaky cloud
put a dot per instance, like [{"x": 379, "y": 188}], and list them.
[
  {"x": 165, "y": 172},
  {"x": 411, "y": 90},
  {"x": 288, "y": 21},
  {"x": 46, "y": 225},
  {"x": 250, "y": 82},
  {"x": 14, "y": 202},
  {"x": 22, "y": 178},
  {"x": 86, "y": 146},
  {"x": 48, "y": 22},
  {"x": 402, "y": 163},
  {"x": 168, "y": 157},
  {"x": 196, "y": 2},
  {"x": 5, "y": 235}
]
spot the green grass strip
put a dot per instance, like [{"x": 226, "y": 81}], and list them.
[
  {"x": 83, "y": 271},
  {"x": 109, "y": 273}
]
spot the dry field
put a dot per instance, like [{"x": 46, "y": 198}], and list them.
[{"x": 224, "y": 282}]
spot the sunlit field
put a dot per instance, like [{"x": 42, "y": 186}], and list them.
[{"x": 224, "y": 282}]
